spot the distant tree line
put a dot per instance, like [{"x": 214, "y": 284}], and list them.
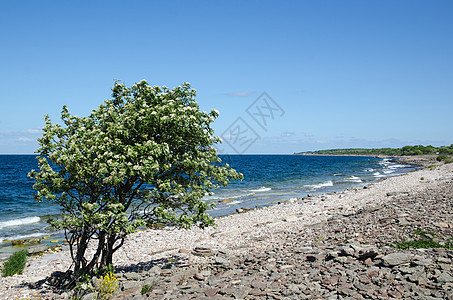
[{"x": 404, "y": 151}]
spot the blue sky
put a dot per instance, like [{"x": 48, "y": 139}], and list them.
[{"x": 339, "y": 73}]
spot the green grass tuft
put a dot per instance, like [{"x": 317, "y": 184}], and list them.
[
  {"x": 425, "y": 240},
  {"x": 15, "y": 263}
]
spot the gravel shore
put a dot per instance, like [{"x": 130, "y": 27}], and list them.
[{"x": 334, "y": 246}]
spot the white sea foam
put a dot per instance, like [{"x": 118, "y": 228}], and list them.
[
  {"x": 321, "y": 185},
  {"x": 234, "y": 202},
  {"x": 396, "y": 166},
  {"x": 20, "y": 237},
  {"x": 368, "y": 170},
  {"x": 19, "y": 222},
  {"x": 388, "y": 171},
  {"x": 378, "y": 175},
  {"x": 261, "y": 189},
  {"x": 353, "y": 179},
  {"x": 385, "y": 162}
]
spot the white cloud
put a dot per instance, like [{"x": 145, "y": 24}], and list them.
[
  {"x": 36, "y": 130},
  {"x": 25, "y": 139}
]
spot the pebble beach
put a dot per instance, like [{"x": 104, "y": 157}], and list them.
[{"x": 331, "y": 246}]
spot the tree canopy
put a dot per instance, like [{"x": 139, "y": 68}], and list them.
[{"x": 143, "y": 157}]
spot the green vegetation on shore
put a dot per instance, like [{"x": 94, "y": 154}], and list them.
[
  {"x": 404, "y": 151},
  {"x": 15, "y": 263},
  {"x": 423, "y": 239}
]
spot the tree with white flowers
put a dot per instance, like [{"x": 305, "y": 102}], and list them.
[{"x": 144, "y": 157}]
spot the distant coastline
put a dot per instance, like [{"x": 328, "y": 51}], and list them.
[{"x": 345, "y": 154}]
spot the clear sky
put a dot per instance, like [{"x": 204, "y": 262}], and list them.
[{"x": 339, "y": 73}]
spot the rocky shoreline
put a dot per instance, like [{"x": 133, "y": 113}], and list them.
[{"x": 336, "y": 246}]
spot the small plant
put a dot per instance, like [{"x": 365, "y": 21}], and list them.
[
  {"x": 15, "y": 263},
  {"x": 107, "y": 286},
  {"x": 145, "y": 289},
  {"x": 319, "y": 238},
  {"x": 423, "y": 178},
  {"x": 83, "y": 285},
  {"x": 425, "y": 240}
]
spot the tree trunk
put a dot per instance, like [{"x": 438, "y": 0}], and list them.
[
  {"x": 82, "y": 245},
  {"x": 107, "y": 254}
]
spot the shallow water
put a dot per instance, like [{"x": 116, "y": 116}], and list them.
[{"x": 268, "y": 179}]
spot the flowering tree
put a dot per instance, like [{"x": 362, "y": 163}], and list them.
[{"x": 143, "y": 157}]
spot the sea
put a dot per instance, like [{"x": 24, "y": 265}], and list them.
[{"x": 268, "y": 180}]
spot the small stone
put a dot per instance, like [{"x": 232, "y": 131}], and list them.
[
  {"x": 132, "y": 276},
  {"x": 341, "y": 259},
  {"x": 258, "y": 284},
  {"x": 442, "y": 224},
  {"x": 4, "y": 256},
  {"x": 444, "y": 260},
  {"x": 372, "y": 273},
  {"x": 199, "y": 277},
  {"x": 403, "y": 222},
  {"x": 202, "y": 248},
  {"x": 444, "y": 278},
  {"x": 347, "y": 251},
  {"x": 130, "y": 285},
  {"x": 222, "y": 261},
  {"x": 423, "y": 262},
  {"x": 395, "y": 259},
  {"x": 211, "y": 292},
  {"x": 202, "y": 251},
  {"x": 291, "y": 218},
  {"x": 90, "y": 296},
  {"x": 37, "y": 249},
  {"x": 395, "y": 294},
  {"x": 311, "y": 258},
  {"x": 228, "y": 200},
  {"x": 302, "y": 249},
  {"x": 286, "y": 267}
]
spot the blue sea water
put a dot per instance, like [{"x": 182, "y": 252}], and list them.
[{"x": 268, "y": 179}]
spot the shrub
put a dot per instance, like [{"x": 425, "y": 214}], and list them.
[
  {"x": 15, "y": 263},
  {"x": 442, "y": 157},
  {"x": 107, "y": 286},
  {"x": 146, "y": 156}
]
